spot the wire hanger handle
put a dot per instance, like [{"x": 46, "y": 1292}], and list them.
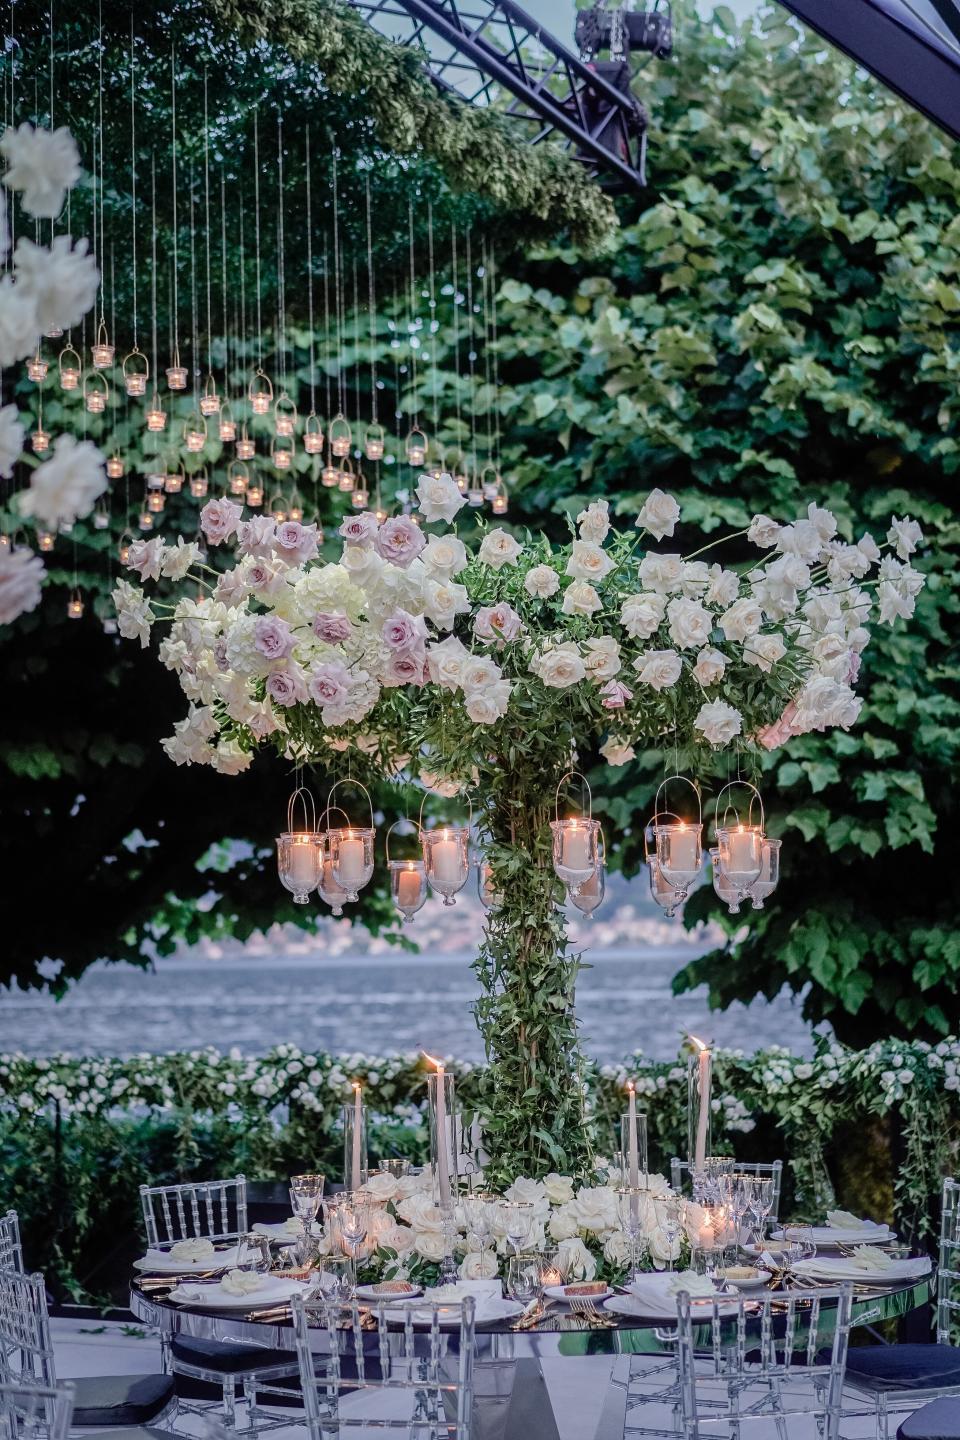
[
  {"x": 303, "y": 794},
  {"x": 357, "y": 784},
  {"x": 404, "y": 820},
  {"x": 570, "y": 775},
  {"x": 755, "y": 797},
  {"x": 683, "y": 781},
  {"x": 649, "y": 826},
  {"x": 423, "y": 802}
]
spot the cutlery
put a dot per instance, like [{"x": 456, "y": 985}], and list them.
[{"x": 587, "y": 1310}]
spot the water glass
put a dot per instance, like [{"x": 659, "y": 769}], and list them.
[
  {"x": 395, "y": 1167},
  {"x": 525, "y": 1278},
  {"x": 670, "y": 1213},
  {"x": 631, "y": 1207},
  {"x": 253, "y": 1253},
  {"x": 517, "y": 1219},
  {"x": 479, "y": 1211},
  {"x": 337, "y": 1268}
]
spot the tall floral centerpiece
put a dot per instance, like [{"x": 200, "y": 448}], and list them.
[{"x": 480, "y": 672}]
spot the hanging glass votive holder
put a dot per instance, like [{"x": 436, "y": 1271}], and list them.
[
  {"x": 360, "y": 499},
  {"x": 255, "y": 495},
  {"x": 101, "y": 351},
  {"x": 340, "y": 437},
  {"x": 731, "y": 895},
  {"x": 678, "y": 841},
  {"x": 173, "y": 481},
  {"x": 260, "y": 393},
  {"x": 490, "y": 897},
  {"x": 69, "y": 368},
  {"x": 330, "y": 477},
  {"x": 75, "y": 604},
  {"x": 115, "y": 467},
  {"x": 39, "y": 441},
  {"x": 101, "y": 516},
  {"x": 282, "y": 454},
  {"x": 312, "y": 435},
  {"x": 459, "y": 472},
  {"x": 238, "y": 478},
  {"x": 227, "y": 430},
  {"x": 740, "y": 845},
  {"x": 446, "y": 859},
  {"x": 37, "y": 368},
  {"x": 490, "y": 482},
  {"x": 156, "y": 501},
  {"x": 123, "y": 546},
  {"x": 499, "y": 504},
  {"x": 590, "y": 895},
  {"x": 295, "y": 508},
  {"x": 408, "y": 881},
  {"x": 177, "y": 373},
  {"x": 351, "y": 847},
  {"x": 346, "y": 480},
  {"x": 54, "y": 333},
  {"x": 194, "y": 433},
  {"x": 209, "y": 400},
  {"x": 764, "y": 887},
  {"x": 246, "y": 448},
  {"x": 475, "y": 495},
  {"x": 156, "y": 479},
  {"x": 300, "y": 852},
  {"x": 95, "y": 398},
  {"x": 46, "y": 540},
  {"x": 415, "y": 447},
  {"x": 278, "y": 508},
  {"x": 135, "y": 378},
  {"x": 284, "y": 416},
  {"x": 373, "y": 442},
  {"x": 144, "y": 520},
  {"x": 156, "y": 416},
  {"x": 574, "y": 838},
  {"x": 199, "y": 485},
  {"x": 666, "y": 896}
]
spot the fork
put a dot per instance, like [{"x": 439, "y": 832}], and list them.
[{"x": 588, "y": 1310}]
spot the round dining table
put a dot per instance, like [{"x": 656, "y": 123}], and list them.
[{"x": 511, "y": 1397}]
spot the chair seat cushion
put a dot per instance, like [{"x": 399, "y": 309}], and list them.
[
  {"x": 903, "y": 1367},
  {"x": 229, "y": 1357},
  {"x": 120, "y": 1399},
  {"x": 940, "y": 1420}
]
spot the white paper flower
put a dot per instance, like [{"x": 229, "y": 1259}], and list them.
[
  {"x": 718, "y": 722},
  {"x": 559, "y": 667},
  {"x": 588, "y": 561},
  {"x": 764, "y": 651},
  {"x": 617, "y": 751},
  {"x": 439, "y": 498},
  {"x": 658, "y": 668},
  {"x": 42, "y": 165},
  {"x": 905, "y": 535},
  {"x": 11, "y": 437},
  {"x": 66, "y": 486},
  {"x": 498, "y": 548},
  {"x": 61, "y": 280},
  {"x": 541, "y": 582},
  {"x": 19, "y": 326},
  {"x": 689, "y": 623},
  {"x": 21, "y": 576},
  {"x": 594, "y": 522},
  {"x": 710, "y": 666},
  {"x": 581, "y": 599},
  {"x": 658, "y": 514}
]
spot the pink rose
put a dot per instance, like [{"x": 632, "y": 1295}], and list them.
[
  {"x": 360, "y": 529},
  {"x": 329, "y": 682},
  {"x": 497, "y": 622},
  {"x": 230, "y": 588},
  {"x": 286, "y": 685},
  {"x": 219, "y": 519},
  {"x": 145, "y": 557},
  {"x": 615, "y": 694},
  {"x": 220, "y": 654},
  {"x": 256, "y": 536},
  {"x": 399, "y": 541},
  {"x": 771, "y": 737},
  {"x": 853, "y": 668},
  {"x": 406, "y": 668},
  {"x": 332, "y": 627},
  {"x": 403, "y": 632},
  {"x": 272, "y": 637},
  {"x": 261, "y": 576},
  {"x": 295, "y": 542}
]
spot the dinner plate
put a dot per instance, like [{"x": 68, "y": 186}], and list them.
[
  {"x": 657, "y": 1307},
  {"x": 756, "y": 1281},
  {"x": 492, "y": 1312},
  {"x": 161, "y": 1262},
  {"x": 374, "y": 1296},
  {"x": 825, "y": 1236},
  {"x": 558, "y": 1292},
  {"x": 214, "y": 1297},
  {"x": 842, "y": 1269},
  {"x": 286, "y": 1236}
]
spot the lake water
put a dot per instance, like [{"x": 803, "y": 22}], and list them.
[{"x": 340, "y": 990}]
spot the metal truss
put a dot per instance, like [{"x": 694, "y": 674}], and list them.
[{"x": 492, "y": 50}]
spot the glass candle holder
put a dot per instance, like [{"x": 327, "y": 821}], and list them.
[
  {"x": 246, "y": 448},
  {"x": 699, "y": 1110},
  {"x": 575, "y": 856},
  {"x": 144, "y": 520},
  {"x": 731, "y": 895},
  {"x": 666, "y": 896},
  {"x": 679, "y": 853},
  {"x": 209, "y": 400},
  {"x": 155, "y": 416},
  {"x": 312, "y": 435},
  {"x": 341, "y": 436},
  {"x": 489, "y": 895},
  {"x": 589, "y": 896},
  {"x": 254, "y": 496},
  {"x": 69, "y": 367},
  {"x": 260, "y": 394},
  {"x": 741, "y": 853},
  {"x": 40, "y": 441},
  {"x": 136, "y": 371},
  {"x": 415, "y": 447},
  {"x": 95, "y": 395},
  {"x": 282, "y": 456},
  {"x": 284, "y": 417},
  {"x": 346, "y": 479},
  {"x": 356, "y": 1167},
  {"x": 195, "y": 438},
  {"x": 408, "y": 886},
  {"x": 373, "y": 442},
  {"x": 300, "y": 862},
  {"x": 173, "y": 482},
  {"x": 329, "y": 477},
  {"x": 101, "y": 518},
  {"x": 115, "y": 468},
  {"x": 238, "y": 477},
  {"x": 475, "y": 497},
  {"x": 46, "y": 541},
  {"x": 329, "y": 891},
  {"x": 278, "y": 509},
  {"x": 227, "y": 426},
  {"x": 351, "y": 853},
  {"x": 177, "y": 375},
  {"x": 360, "y": 499},
  {"x": 633, "y": 1147},
  {"x": 102, "y": 352},
  {"x": 156, "y": 480},
  {"x": 764, "y": 887},
  {"x": 37, "y": 368},
  {"x": 446, "y": 859},
  {"x": 442, "y": 1115},
  {"x": 156, "y": 501},
  {"x": 199, "y": 485}
]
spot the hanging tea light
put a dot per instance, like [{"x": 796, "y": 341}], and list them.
[
  {"x": 330, "y": 476},
  {"x": 740, "y": 844},
  {"x": 446, "y": 859},
  {"x": 490, "y": 897},
  {"x": 312, "y": 435},
  {"x": 499, "y": 504},
  {"x": 295, "y": 508},
  {"x": 238, "y": 478},
  {"x": 46, "y": 540},
  {"x": 156, "y": 416},
  {"x": 209, "y": 400},
  {"x": 156, "y": 479},
  {"x": 380, "y": 514},
  {"x": 37, "y": 367},
  {"x": 415, "y": 447},
  {"x": 199, "y": 484},
  {"x": 255, "y": 495},
  {"x": 54, "y": 333},
  {"x": 94, "y": 397},
  {"x": 350, "y": 848},
  {"x": 109, "y": 625},
  {"x": 227, "y": 430},
  {"x": 490, "y": 482},
  {"x": 101, "y": 516},
  {"x": 763, "y": 888},
  {"x": 300, "y": 852},
  {"x": 282, "y": 454},
  {"x": 678, "y": 841},
  {"x": 346, "y": 481},
  {"x": 373, "y": 442},
  {"x": 173, "y": 481},
  {"x": 123, "y": 547},
  {"x": 39, "y": 440},
  {"x": 156, "y": 501},
  {"x": 101, "y": 351},
  {"x": 731, "y": 895},
  {"x": 144, "y": 520},
  {"x": 176, "y": 373},
  {"x": 194, "y": 432},
  {"x": 590, "y": 895},
  {"x": 340, "y": 437},
  {"x": 408, "y": 881},
  {"x": 246, "y": 448},
  {"x": 115, "y": 467},
  {"x": 360, "y": 499},
  {"x": 574, "y": 838},
  {"x": 475, "y": 495},
  {"x": 278, "y": 508},
  {"x": 333, "y": 894},
  {"x": 68, "y": 364},
  {"x": 75, "y": 604},
  {"x": 136, "y": 372},
  {"x": 284, "y": 416},
  {"x": 260, "y": 393}
]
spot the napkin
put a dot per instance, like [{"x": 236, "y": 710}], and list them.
[
  {"x": 196, "y": 1249},
  {"x": 291, "y": 1227},
  {"x": 695, "y": 1285},
  {"x": 242, "y": 1282},
  {"x": 486, "y": 1294},
  {"x": 868, "y": 1257},
  {"x": 844, "y": 1220}
]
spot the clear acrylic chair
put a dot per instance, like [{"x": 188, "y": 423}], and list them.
[
  {"x": 419, "y": 1382},
  {"x": 897, "y": 1378},
  {"x": 770, "y": 1169},
  {"x": 11, "y": 1251},
  {"x": 101, "y": 1402},
  {"x": 757, "y": 1364},
  {"x": 35, "y": 1412},
  {"x": 212, "y": 1210}
]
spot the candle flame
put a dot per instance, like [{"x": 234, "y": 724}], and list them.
[
  {"x": 630, "y": 1086},
  {"x": 700, "y": 1044},
  {"x": 356, "y": 1087},
  {"x": 434, "y": 1060}
]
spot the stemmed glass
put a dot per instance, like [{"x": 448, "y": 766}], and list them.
[
  {"x": 761, "y": 1203},
  {"x": 670, "y": 1213},
  {"x": 353, "y": 1218},
  {"x": 525, "y": 1279},
  {"x": 631, "y": 1200},
  {"x": 517, "y": 1217},
  {"x": 478, "y": 1210},
  {"x": 306, "y": 1192}
]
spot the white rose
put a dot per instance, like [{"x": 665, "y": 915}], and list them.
[
  {"x": 659, "y": 514},
  {"x": 498, "y": 548},
  {"x": 581, "y": 599},
  {"x": 723, "y": 587},
  {"x": 487, "y": 705},
  {"x": 595, "y": 1207},
  {"x": 444, "y": 556},
  {"x": 574, "y": 1260},
  {"x": 532, "y": 1192},
  {"x": 710, "y": 666},
  {"x": 445, "y": 662},
  {"x": 689, "y": 623},
  {"x": 594, "y": 522},
  {"x": 904, "y": 535},
  {"x": 764, "y": 651},
  {"x": 659, "y": 668},
  {"x": 718, "y": 722},
  {"x": 558, "y": 1188},
  {"x": 602, "y": 658},
  {"x": 430, "y": 1244},
  {"x": 559, "y": 667},
  {"x": 412, "y": 1207},
  {"x": 743, "y": 618},
  {"x": 663, "y": 573},
  {"x": 617, "y": 751},
  {"x": 617, "y": 1249},
  {"x": 563, "y": 1223},
  {"x": 588, "y": 561},
  {"x": 640, "y": 615},
  {"x": 362, "y": 563},
  {"x": 541, "y": 582},
  {"x": 381, "y": 1188},
  {"x": 443, "y": 602},
  {"x": 823, "y": 521},
  {"x": 477, "y": 672},
  {"x": 763, "y": 531},
  {"x": 399, "y": 1238},
  {"x": 478, "y": 1265},
  {"x": 439, "y": 498},
  {"x": 662, "y": 1253},
  {"x": 801, "y": 538}
]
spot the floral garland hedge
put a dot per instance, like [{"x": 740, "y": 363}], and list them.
[{"x": 875, "y": 1130}]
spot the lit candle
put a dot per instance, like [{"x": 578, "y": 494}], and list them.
[
  {"x": 408, "y": 887},
  {"x": 303, "y": 868},
  {"x": 445, "y": 858},
  {"x": 743, "y": 852},
  {"x": 576, "y": 846},
  {"x": 443, "y": 1159},
  {"x": 705, "y": 1238},
  {"x": 357, "y": 1126},
  {"x": 683, "y": 848},
  {"x": 704, "y": 1067},
  {"x": 632, "y": 1127},
  {"x": 350, "y": 859}
]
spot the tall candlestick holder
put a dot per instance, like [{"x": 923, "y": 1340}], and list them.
[
  {"x": 699, "y": 1115},
  {"x": 356, "y": 1167},
  {"x": 442, "y": 1114},
  {"x": 630, "y": 1126}
]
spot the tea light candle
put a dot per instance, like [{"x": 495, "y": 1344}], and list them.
[
  {"x": 350, "y": 859},
  {"x": 576, "y": 846},
  {"x": 408, "y": 886},
  {"x": 742, "y": 850}
]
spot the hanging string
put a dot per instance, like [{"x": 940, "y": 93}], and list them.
[
  {"x": 326, "y": 326},
  {"x": 411, "y": 320},
  {"x": 133, "y": 179},
  {"x": 206, "y": 201},
  {"x": 194, "y": 341},
  {"x": 371, "y": 307},
  {"x": 223, "y": 282},
  {"x": 432, "y": 301},
  {"x": 313, "y": 378},
  {"x": 487, "y": 372},
  {"x": 454, "y": 265},
  {"x": 338, "y": 287},
  {"x": 243, "y": 279},
  {"x": 256, "y": 203},
  {"x": 491, "y": 260},
  {"x": 471, "y": 356},
  {"x": 356, "y": 336},
  {"x": 100, "y": 147},
  {"x": 153, "y": 265},
  {"x": 173, "y": 151},
  {"x": 281, "y": 262}
]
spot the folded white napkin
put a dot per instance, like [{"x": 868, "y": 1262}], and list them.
[
  {"x": 292, "y": 1227},
  {"x": 869, "y": 1257},
  {"x": 485, "y": 1293},
  {"x": 196, "y": 1249},
  {"x": 242, "y": 1282},
  {"x": 695, "y": 1285},
  {"x": 844, "y": 1220}
]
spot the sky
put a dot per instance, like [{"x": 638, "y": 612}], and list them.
[{"x": 557, "y": 15}]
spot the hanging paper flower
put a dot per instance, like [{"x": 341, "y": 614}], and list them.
[
  {"x": 42, "y": 165},
  {"x": 65, "y": 487},
  {"x": 19, "y": 327},
  {"x": 11, "y": 439},
  {"x": 21, "y": 575},
  {"x": 62, "y": 281}
]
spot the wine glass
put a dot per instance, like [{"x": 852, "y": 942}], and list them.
[
  {"x": 761, "y": 1203},
  {"x": 670, "y": 1213},
  {"x": 524, "y": 1279},
  {"x": 353, "y": 1219},
  {"x": 517, "y": 1218},
  {"x": 306, "y": 1192},
  {"x": 478, "y": 1210},
  {"x": 631, "y": 1200}
]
